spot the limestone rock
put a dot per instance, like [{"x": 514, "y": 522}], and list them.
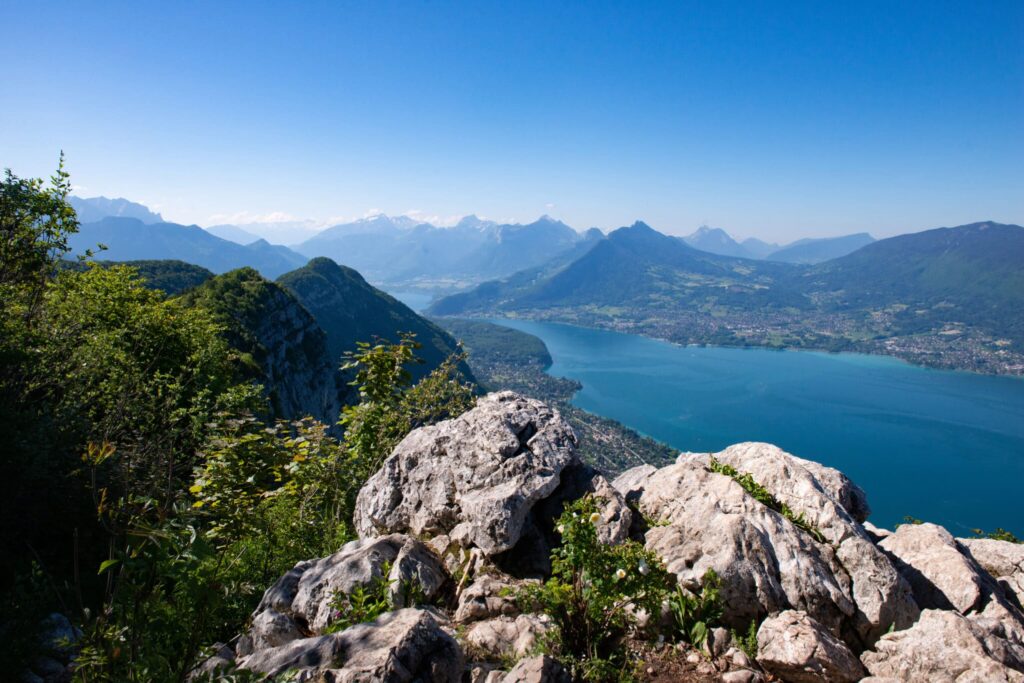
[
  {"x": 766, "y": 564},
  {"x": 882, "y": 596},
  {"x": 1003, "y": 560},
  {"x": 531, "y": 556},
  {"x": 540, "y": 669},
  {"x": 876, "y": 533},
  {"x": 505, "y": 636},
  {"x": 944, "y": 575},
  {"x": 631, "y": 482},
  {"x": 485, "y": 598},
  {"x": 401, "y": 646},
  {"x": 796, "y": 648},
  {"x": 943, "y": 647},
  {"x": 474, "y": 478},
  {"x": 298, "y": 605}
]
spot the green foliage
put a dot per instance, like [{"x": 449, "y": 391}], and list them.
[
  {"x": 389, "y": 407},
  {"x": 367, "y": 602},
  {"x": 1000, "y": 534},
  {"x": 696, "y": 614},
  {"x": 765, "y": 497},
  {"x": 350, "y": 310},
  {"x": 593, "y": 590},
  {"x": 748, "y": 641}
]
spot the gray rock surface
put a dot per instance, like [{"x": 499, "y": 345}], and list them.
[
  {"x": 766, "y": 564},
  {"x": 401, "y": 646},
  {"x": 298, "y": 605},
  {"x": 539, "y": 669},
  {"x": 505, "y": 636},
  {"x": 942, "y": 575},
  {"x": 1001, "y": 559},
  {"x": 796, "y": 648},
  {"x": 474, "y": 478},
  {"x": 881, "y": 595},
  {"x": 631, "y": 482},
  {"x": 945, "y": 647},
  {"x": 487, "y": 597},
  {"x": 945, "y": 575}
]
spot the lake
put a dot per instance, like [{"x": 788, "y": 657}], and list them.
[
  {"x": 945, "y": 447},
  {"x": 417, "y": 300}
]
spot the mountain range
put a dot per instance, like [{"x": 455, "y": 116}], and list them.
[
  {"x": 809, "y": 250},
  {"x": 131, "y": 239},
  {"x": 949, "y": 297},
  {"x": 93, "y": 209},
  {"x": 400, "y": 251}
]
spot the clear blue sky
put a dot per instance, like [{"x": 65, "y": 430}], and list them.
[{"x": 776, "y": 120}]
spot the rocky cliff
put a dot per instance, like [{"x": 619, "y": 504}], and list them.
[
  {"x": 463, "y": 511},
  {"x": 283, "y": 348}
]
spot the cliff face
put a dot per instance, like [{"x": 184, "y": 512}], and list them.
[
  {"x": 351, "y": 310},
  {"x": 463, "y": 510},
  {"x": 282, "y": 346}
]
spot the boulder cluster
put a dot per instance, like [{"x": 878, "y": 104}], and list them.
[{"x": 462, "y": 512}]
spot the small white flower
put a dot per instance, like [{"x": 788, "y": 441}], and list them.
[
  {"x": 561, "y": 529},
  {"x": 620, "y": 574},
  {"x": 643, "y": 568},
  {"x": 595, "y": 518}
]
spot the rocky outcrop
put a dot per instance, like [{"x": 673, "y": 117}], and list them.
[
  {"x": 401, "y": 646},
  {"x": 943, "y": 647},
  {"x": 464, "y": 510},
  {"x": 945, "y": 576},
  {"x": 820, "y": 494},
  {"x": 796, "y": 648},
  {"x": 474, "y": 478},
  {"x": 503, "y": 637},
  {"x": 299, "y": 604},
  {"x": 539, "y": 669},
  {"x": 765, "y": 562},
  {"x": 285, "y": 349},
  {"x": 1002, "y": 560}
]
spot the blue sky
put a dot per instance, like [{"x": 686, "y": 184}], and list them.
[{"x": 778, "y": 120}]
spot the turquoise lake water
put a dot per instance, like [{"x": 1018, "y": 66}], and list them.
[{"x": 946, "y": 447}]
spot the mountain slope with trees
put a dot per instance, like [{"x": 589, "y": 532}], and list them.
[
  {"x": 350, "y": 310},
  {"x": 949, "y": 297}
]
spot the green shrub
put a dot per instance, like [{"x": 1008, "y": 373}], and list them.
[
  {"x": 696, "y": 614},
  {"x": 593, "y": 594},
  {"x": 1000, "y": 534}
]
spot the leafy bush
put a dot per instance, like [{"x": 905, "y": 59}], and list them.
[
  {"x": 1000, "y": 534},
  {"x": 765, "y": 497},
  {"x": 696, "y": 614},
  {"x": 593, "y": 594},
  {"x": 748, "y": 641},
  {"x": 390, "y": 407}
]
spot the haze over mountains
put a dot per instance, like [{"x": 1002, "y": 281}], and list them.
[
  {"x": 808, "y": 250},
  {"x": 949, "y": 297}
]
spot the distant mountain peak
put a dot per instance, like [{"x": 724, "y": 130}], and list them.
[{"x": 92, "y": 209}]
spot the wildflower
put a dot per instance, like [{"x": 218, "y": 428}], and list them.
[
  {"x": 561, "y": 528},
  {"x": 595, "y": 518},
  {"x": 620, "y": 574},
  {"x": 643, "y": 567}
]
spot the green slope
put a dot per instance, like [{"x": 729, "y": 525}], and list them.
[{"x": 350, "y": 310}]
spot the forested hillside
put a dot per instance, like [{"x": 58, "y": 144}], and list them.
[
  {"x": 152, "y": 498},
  {"x": 350, "y": 310},
  {"x": 948, "y": 297}
]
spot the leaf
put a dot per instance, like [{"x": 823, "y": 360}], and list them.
[{"x": 105, "y": 565}]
